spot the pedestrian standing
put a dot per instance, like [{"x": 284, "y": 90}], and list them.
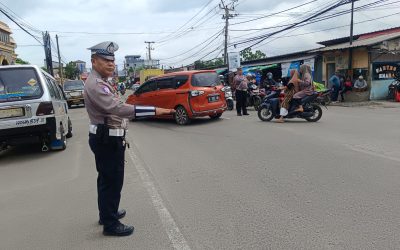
[
  {"x": 334, "y": 82},
  {"x": 107, "y": 132},
  {"x": 240, "y": 83}
]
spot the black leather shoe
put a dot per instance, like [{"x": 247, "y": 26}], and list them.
[
  {"x": 119, "y": 230},
  {"x": 239, "y": 114},
  {"x": 120, "y": 214},
  {"x": 246, "y": 114}
]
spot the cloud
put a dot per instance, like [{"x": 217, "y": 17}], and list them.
[{"x": 158, "y": 18}]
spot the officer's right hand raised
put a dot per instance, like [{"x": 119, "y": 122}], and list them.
[{"x": 161, "y": 111}]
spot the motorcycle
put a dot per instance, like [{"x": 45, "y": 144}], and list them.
[
  {"x": 253, "y": 96},
  {"x": 228, "y": 97},
  {"x": 312, "y": 108}
]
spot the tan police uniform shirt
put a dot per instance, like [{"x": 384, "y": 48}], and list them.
[{"x": 101, "y": 100}]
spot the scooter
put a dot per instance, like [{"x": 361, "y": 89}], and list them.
[
  {"x": 253, "y": 96},
  {"x": 228, "y": 97},
  {"x": 312, "y": 109}
]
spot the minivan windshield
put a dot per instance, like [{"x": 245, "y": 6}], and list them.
[
  {"x": 207, "y": 79},
  {"x": 18, "y": 84},
  {"x": 73, "y": 85}
]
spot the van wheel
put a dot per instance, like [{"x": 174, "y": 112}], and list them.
[
  {"x": 69, "y": 134},
  {"x": 181, "y": 116}
]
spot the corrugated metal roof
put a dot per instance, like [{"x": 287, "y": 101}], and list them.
[{"x": 360, "y": 43}]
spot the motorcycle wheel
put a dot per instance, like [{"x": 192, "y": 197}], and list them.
[
  {"x": 265, "y": 114},
  {"x": 317, "y": 113},
  {"x": 229, "y": 104},
  {"x": 257, "y": 102},
  {"x": 327, "y": 100}
]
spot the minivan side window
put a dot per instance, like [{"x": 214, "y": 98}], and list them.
[
  {"x": 180, "y": 80},
  {"x": 54, "y": 87},
  {"x": 50, "y": 87},
  {"x": 166, "y": 83},
  {"x": 147, "y": 87}
]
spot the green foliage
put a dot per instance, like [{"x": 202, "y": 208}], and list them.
[
  {"x": 71, "y": 71},
  {"x": 20, "y": 61},
  {"x": 209, "y": 64},
  {"x": 248, "y": 55},
  {"x": 45, "y": 69}
]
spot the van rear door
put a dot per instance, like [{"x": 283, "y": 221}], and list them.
[{"x": 206, "y": 94}]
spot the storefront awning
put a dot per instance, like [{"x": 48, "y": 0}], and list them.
[{"x": 262, "y": 67}]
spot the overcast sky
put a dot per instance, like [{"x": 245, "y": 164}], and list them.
[{"x": 179, "y": 26}]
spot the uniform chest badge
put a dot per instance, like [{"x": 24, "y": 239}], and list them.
[{"x": 106, "y": 90}]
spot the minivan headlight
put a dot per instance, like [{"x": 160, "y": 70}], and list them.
[{"x": 196, "y": 92}]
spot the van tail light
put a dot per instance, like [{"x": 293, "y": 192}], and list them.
[
  {"x": 45, "y": 108},
  {"x": 196, "y": 92}
]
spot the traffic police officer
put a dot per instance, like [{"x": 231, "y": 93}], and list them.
[{"x": 107, "y": 129}]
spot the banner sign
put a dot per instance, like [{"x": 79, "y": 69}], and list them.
[
  {"x": 384, "y": 71},
  {"x": 233, "y": 60},
  {"x": 286, "y": 67}
]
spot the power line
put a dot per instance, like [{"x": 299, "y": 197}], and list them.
[{"x": 12, "y": 19}]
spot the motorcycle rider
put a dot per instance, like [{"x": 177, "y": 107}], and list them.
[{"x": 269, "y": 82}]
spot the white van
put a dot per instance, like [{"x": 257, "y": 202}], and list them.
[{"x": 33, "y": 108}]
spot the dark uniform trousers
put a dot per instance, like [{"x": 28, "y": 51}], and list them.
[{"x": 110, "y": 160}]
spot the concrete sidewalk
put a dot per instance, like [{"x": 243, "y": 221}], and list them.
[{"x": 383, "y": 104}]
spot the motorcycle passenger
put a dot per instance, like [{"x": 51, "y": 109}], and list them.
[
  {"x": 306, "y": 87},
  {"x": 240, "y": 83},
  {"x": 291, "y": 88}
]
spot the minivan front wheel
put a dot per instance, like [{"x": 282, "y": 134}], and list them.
[{"x": 181, "y": 116}]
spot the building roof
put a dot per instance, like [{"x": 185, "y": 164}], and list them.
[
  {"x": 79, "y": 61},
  {"x": 4, "y": 27},
  {"x": 361, "y": 41},
  {"x": 360, "y": 36}
]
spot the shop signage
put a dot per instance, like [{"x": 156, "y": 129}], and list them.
[
  {"x": 383, "y": 71},
  {"x": 233, "y": 60}
]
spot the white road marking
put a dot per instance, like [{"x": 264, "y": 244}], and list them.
[
  {"x": 359, "y": 149},
  {"x": 178, "y": 241}
]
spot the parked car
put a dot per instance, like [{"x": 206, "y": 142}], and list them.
[
  {"x": 191, "y": 93},
  {"x": 74, "y": 92},
  {"x": 33, "y": 108}
]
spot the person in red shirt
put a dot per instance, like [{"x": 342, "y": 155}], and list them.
[{"x": 347, "y": 86}]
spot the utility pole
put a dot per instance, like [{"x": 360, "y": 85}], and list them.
[
  {"x": 351, "y": 22},
  {"x": 60, "y": 71},
  {"x": 351, "y": 38},
  {"x": 226, "y": 16},
  {"x": 150, "y": 49},
  {"x": 47, "y": 52}
]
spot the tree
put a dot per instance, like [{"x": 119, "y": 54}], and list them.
[
  {"x": 209, "y": 64},
  {"x": 20, "y": 61},
  {"x": 44, "y": 69},
  {"x": 71, "y": 71},
  {"x": 248, "y": 55}
]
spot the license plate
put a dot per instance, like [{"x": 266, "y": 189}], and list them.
[
  {"x": 13, "y": 112},
  {"x": 75, "y": 94},
  {"x": 213, "y": 98}
]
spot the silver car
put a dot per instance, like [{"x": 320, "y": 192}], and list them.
[{"x": 33, "y": 108}]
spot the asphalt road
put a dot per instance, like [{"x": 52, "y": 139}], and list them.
[{"x": 235, "y": 183}]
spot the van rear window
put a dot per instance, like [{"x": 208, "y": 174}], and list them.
[
  {"x": 205, "y": 79},
  {"x": 18, "y": 84}
]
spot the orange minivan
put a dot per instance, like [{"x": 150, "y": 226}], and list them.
[{"x": 192, "y": 93}]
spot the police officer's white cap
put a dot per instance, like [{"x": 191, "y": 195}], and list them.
[{"x": 105, "y": 50}]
